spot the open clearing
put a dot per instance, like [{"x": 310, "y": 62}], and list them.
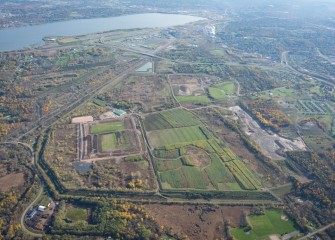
[
  {"x": 114, "y": 141},
  {"x": 11, "y": 180},
  {"x": 272, "y": 222},
  {"x": 270, "y": 143},
  {"x": 77, "y": 214},
  {"x": 109, "y": 127},
  {"x": 193, "y": 99},
  {"x": 173, "y": 136},
  {"x": 216, "y": 93},
  {"x": 196, "y": 222},
  {"x": 170, "y": 119},
  {"x": 188, "y": 156},
  {"x": 175, "y": 174},
  {"x": 227, "y": 87}
]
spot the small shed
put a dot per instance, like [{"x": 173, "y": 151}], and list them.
[{"x": 41, "y": 208}]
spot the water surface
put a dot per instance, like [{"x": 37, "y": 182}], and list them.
[{"x": 21, "y": 37}]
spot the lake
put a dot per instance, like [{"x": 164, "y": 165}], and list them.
[{"x": 21, "y": 37}]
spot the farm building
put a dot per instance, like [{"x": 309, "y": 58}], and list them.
[
  {"x": 119, "y": 112},
  {"x": 41, "y": 208},
  {"x": 32, "y": 214},
  {"x": 83, "y": 119}
]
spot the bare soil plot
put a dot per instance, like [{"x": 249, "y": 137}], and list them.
[
  {"x": 11, "y": 180},
  {"x": 269, "y": 142},
  {"x": 151, "y": 91},
  {"x": 196, "y": 222}
]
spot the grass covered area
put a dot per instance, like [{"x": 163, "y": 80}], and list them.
[
  {"x": 174, "y": 174},
  {"x": 227, "y": 87},
  {"x": 264, "y": 225},
  {"x": 282, "y": 91},
  {"x": 77, "y": 214},
  {"x": 171, "y": 119},
  {"x": 99, "y": 102},
  {"x": 188, "y": 156},
  {"x": 217, "y": 94},
  {"x": 114, "y": 141},
  {"x": 180, "y": 118},
  {"x": 193, "y": 99},
  {"x": 108, "y": 127},
  {"x": 108, "y": 142},
  {"x": 217, "y": 52},
  {"x": 160, "y": 138}
]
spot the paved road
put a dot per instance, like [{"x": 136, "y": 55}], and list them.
[{"x": 317, "y": 231}]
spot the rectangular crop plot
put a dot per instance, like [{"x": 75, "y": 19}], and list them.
[
  {"x": 171, "y": 119},
  {"x": 175, "y": 174},
  {"x": 180, "y": 118},
  {"x": 108, "y": 127},
  {"x": 193, "y": 99},
  {"x": 155, "y": 122},
  {"x": 160, "y": 138},
  {"x": 114, "y": 141}
]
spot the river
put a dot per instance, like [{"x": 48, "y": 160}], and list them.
[{"x": 21, "y": 37}]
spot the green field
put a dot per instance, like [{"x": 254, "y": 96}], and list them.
[
  {"x": 170, "y": 119},
  {"x": 174, "y": 136},
  {"x": 227, "y": 87},
  {"x": 282, "y": 91},
  {"x": 114, "y": 141},
  {"x": 245, "y": 178},
  {"x": 77, "y": 214},
  {"x": 193, "y": 99},
  {"x": 100, "y": 102},
  {"x": 264, "y": 225},
  {"x": 180, "y": 118},
  {"x": 174, "y": 174},
  {"x": 217, "y": 52},
  {"x": 217, "y": 94},
  {"x": 189, "y": 156},
  {"x": 109, "y": 127}
]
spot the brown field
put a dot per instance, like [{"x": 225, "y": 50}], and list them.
[
  {"x": 151, "y": 91},
  {"x": 191, "y": 79},
  {"x": 117, "y": 174},
  {"x": 196, "y": 222},
  {"x": 11, "y": 180}
]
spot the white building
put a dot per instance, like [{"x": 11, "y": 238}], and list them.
[{"x": 41, "y": 208}]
